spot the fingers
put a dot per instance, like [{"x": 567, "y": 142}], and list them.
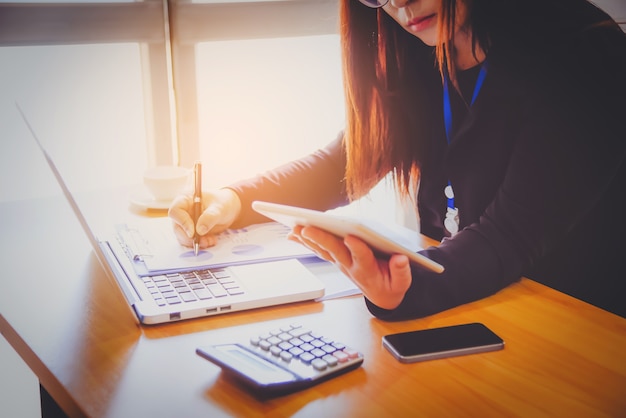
[
  {"x": 382, "y": 281},
  {"x": 183, "y": 224},
  {"x": 325, "y": 244},
  {"x": 361, "y": 255},
  {"x": 400, "y": 272},
  {"x": 179, "y": 214}
]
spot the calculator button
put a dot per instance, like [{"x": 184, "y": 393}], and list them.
[
  {"x": 265, "y": 345},
  {"x": 285, "y": 346},
  {"x": 307, "y": 347},
  {"x": 331, "y": 360},
  {"x": 319, "y": 364},
  {"x": 341, "y": 356},
  {"x": 318, "y": 352},
  {"x": 296, "y": 351},
  {"x": 317, "y": 343},
  {"x": 307, "y": 357},
  {"x": 275, "y": 350},
  {"x": 296, "y": 341},
  {"x": 274, "y": 340},
  {"x": 329, "y": 349},
  {"x": 298, "y": 332},
  {"x": 286, "y": 356},
  {"x": 351, "y": 353}
]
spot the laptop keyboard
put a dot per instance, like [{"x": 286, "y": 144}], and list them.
[{"x": 175, "y": 288}]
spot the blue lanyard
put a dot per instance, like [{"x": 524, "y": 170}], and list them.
[{"x": 447, "y": 108}]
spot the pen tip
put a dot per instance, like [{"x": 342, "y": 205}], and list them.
[{"x": 195, "y": 249}]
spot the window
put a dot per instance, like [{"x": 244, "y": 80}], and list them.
[
  {"x": 92, "y": 79},
  {"x": 263, "y": 102},
  {"x": 114, "y": 87}
]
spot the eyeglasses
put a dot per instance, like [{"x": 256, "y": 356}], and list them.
[{"x": 374, "y": 4}]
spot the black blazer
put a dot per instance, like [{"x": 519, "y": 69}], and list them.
[{"x": 538, "y": 166}]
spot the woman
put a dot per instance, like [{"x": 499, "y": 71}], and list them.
[{"x": 504, "y": 120}]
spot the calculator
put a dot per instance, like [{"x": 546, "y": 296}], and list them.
[{"x": 283, "y": 360}]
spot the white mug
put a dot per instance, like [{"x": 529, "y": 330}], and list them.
[{"x": 165, "y": 182}]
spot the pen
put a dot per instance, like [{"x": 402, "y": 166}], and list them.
[{"x": 197, "y": 203}]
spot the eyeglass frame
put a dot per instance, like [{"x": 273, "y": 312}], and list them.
[{"x": 363, "y": 2}]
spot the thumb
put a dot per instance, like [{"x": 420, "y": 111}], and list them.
[{"x": 400, "y": 272}]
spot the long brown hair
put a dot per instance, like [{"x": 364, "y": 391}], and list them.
[
  {"x": 378, "y": 54},
  {"x": 392, "y": 80}
]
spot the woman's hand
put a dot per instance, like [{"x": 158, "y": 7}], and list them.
[
  {"x": 220, "y": 208},
  {"x": 383, "y": 282}
]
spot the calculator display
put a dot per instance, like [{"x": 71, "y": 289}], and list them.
[{"x": 255, "y": 367}]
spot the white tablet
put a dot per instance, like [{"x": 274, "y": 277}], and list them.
[{"x": 374, "y": 235}]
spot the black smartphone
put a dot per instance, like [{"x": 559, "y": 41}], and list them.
[{"x": 434, "y": 343}]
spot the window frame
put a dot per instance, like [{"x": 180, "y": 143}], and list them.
[
  {"x": 41, "y": 24},
  {"x": 192, "y": 23}
]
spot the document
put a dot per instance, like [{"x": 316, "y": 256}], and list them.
[{"x": 153, "y": 247}]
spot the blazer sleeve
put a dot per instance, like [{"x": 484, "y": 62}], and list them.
[
  {"x": 568, "y": 161},
  {"x": 315, "y": 181}
]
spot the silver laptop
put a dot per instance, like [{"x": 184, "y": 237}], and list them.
[{"x": 174, "y": 296}]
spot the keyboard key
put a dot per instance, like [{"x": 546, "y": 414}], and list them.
[
  {"x": 235, "y": 291},
  {"x": 188, "y": 297},
  {"x": 217, "y": 290},
  {"x": 203, "y": 293},
  {"x": 173, "y": 300},
  {"x": 170, "y": 294}
]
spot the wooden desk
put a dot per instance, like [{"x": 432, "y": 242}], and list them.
[{"x": 58, "y": 310}]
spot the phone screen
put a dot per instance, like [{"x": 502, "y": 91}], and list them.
[{"x": 442, "y": 342}]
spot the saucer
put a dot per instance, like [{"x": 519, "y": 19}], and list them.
[{"x": 144, "y": 200}]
